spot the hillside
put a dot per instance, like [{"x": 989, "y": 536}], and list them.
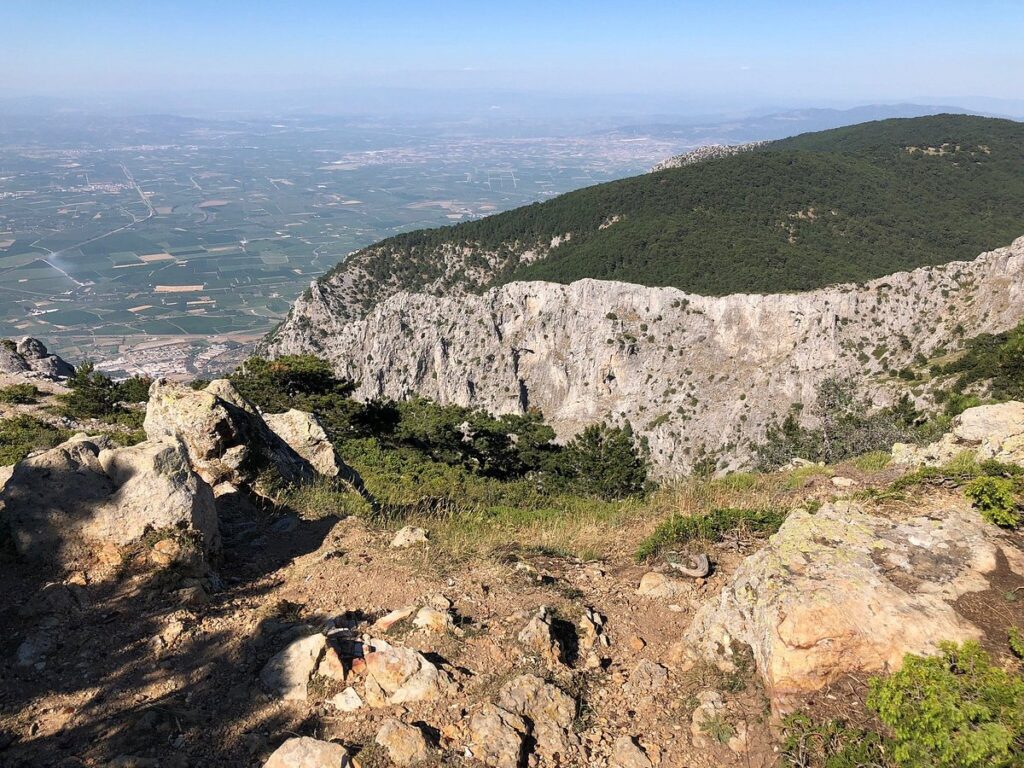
[{"x": 849, "y": 204}]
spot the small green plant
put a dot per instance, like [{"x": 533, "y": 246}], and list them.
[
  {"x": 711, "y": 527},
  {"x": 830, "y": 744},
  {"x": 994, "y": 497},
  {"x": 873, "y": 461},
  {"x": 1015, "y": 638},
  {"x": 23, "y": 434},
  {"x": 953, "y": 710},
  {"x": 718, "y": 728},
  {"x": 19, "y": 394}
]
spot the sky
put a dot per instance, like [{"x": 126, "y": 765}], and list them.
[{"x": 718, "y": 51}]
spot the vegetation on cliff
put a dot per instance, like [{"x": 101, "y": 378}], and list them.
[{"x": 849, "y": 204}]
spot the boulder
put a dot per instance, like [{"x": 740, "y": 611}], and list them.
[
  {"x": 227, "y": 439},
  {"x": 410, "y": 536},
  {"x": 626, "y": 753},
  {"x": 304, "y": 752},
  {"x": 397, "y": 675},
  {"x": 988, "y": 431},
  {"x": 303, "y": 433},
  {"x": 843, "y": 591},
  {"x": 549, "y": 712},
  {"x": 497, "y": 737},
  {"x": 35, "y": 354},
  {"x": 73, "y": 500},
  {"x": 538, "y": 637},
  {"x": 346, "y": 701},
  {"x": 10, "y": 361},
  {"x": 287, "y": 673},
  {"x": 405, "y": 744}
]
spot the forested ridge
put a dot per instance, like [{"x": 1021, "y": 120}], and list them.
[{"x": 848, "y": 204}]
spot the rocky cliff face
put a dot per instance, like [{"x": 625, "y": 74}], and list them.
[
  {"x": 705, "y": 153},
  {"x": 692, "y": 373}
]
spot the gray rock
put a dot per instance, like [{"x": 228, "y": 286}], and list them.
[
  {"x": 549, "y": 711},
  {"x": 497, "y": 738},
  {"x": 626, "y": 753},
  {"x": 410, "y": 536},
  {"x": 405, "y": 744},
  {"x": 304, "y": 752},
  {"x": 397, "y": 675},
  {"x": 531, "y": 344},
  {"x": 303, "y": 433},
  {"x": 69, "y": 501},
  {"x": 843, "y": 592},
  {"x": 287, "y": 673}
]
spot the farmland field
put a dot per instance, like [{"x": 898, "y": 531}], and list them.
[{"x": 167, "y": 245}]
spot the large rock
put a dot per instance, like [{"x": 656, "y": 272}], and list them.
[
  {"x": 988, "y": 432},
  {"x": 287, "y": 673},
  {"x": 68, "y": 502},
  {"x": 30, "y": 357},
  {"x": 405, "y": 744},
  {"x": 497, "y": 737},
  {"x": 304, "y": 752},
  {"x": 34, "y": 353},
  {"x": 226, "y": 437},
  {"x": 397, "y": 675},
  {"x": 843, "y": 591},
  {"x": 549, "y": 712},
  {"x": 303, "y": 433},
  {"x": 531, "y": 345}
]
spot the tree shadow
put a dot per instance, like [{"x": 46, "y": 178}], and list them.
[{"x": 150, "y": 662}]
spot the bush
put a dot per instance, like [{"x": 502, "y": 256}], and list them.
[
  {"x": 19, "y": 394},
  {"x": 23, "y": 434},
  {"x": 953, "y": 710},
  {"x": 847, "y": 427},
  {"x": 606, "y": 461},
  {"x": 994, "y": 497},
  {"x": 711, "y": 527}
]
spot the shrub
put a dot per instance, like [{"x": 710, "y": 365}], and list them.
[
  {"x": 23, "y": 434},
  {"x": 994, "y": 497},
  {"x": 711, "y": 527},
  {"x": 19, "y": 394},
  {"x": 606, "y": 461},
  {"x": 830, "y": 744},
  {"x": 953, "y": 710}
]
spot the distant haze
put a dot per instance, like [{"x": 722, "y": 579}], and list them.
[{"x": 569, "y": 58}]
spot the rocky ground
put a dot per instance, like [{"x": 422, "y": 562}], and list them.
[{"x": 307, "y": 640}]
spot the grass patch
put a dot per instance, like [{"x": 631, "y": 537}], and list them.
[
  {"x": 21, "y": 435},
  {"x": 874, "y": 461},
  {"x": 19, "y": 394}
]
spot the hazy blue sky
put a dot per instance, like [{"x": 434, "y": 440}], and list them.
[{"x": 781, "y": 50}]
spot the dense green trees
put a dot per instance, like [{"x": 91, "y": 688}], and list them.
[
  {"x": 844, "y": 205},
  {"x": 604, "y": 461}
]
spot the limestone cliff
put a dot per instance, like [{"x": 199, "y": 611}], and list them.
[{"x": 692, "y": 373}]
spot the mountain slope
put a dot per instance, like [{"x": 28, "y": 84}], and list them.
[
  {"x": 849, "y": 204},
  {"x": 692, "y": 373}
]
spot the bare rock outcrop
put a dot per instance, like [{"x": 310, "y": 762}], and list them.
[
  {"x": 226, "y": 437},
  {"x": 844, "y": 591},
  {"x": 30, "y": 357},
  {"x": 987, "y": 432},
  {"x": 304, "y": 434},
  {"x": 69, "y": 501},
  {"x": 688, "y": 371}
]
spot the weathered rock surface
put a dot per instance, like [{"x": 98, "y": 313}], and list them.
[
  {"x": 72, "y": 500},
  {"x": 687, "y": 370},
  {"x": 705, "y": 153},
  {"x": 396, "y": 675},
  {"x": 30, "y": 357},
  {"x": 842, "y": 591},
  {"x": 626, "y": 753},
  {"x": 287, "y": 673},
  {"x": 227, "y": 439},
  {"x": 497, "y": 737},
  {"x": 549, "y": 712},
  {"x": 405, "y": 744},
  {"x": 539, "y": 637},
  {"x": 410, "y": 536},
  {"x": 303, "y": 433},
  {"x": 304, "y": 752},
  {"x": 988, "y": 432}
]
